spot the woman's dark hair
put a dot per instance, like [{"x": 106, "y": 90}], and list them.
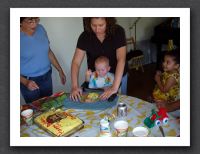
[
  {"x": 110, "y": 24},
  {"x": 175, "y": 54},
  {"x": 30, "y": 18},
  {"x": 22, "y": 19}
]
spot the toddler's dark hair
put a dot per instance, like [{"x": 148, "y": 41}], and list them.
[{"x": 175, "y": 54}]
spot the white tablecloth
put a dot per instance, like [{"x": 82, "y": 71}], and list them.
[{"x": 138, "y": 110}]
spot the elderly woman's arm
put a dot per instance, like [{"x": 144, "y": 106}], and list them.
[
  {"x": 121, "y": 58},
  {"x": 31, "y": 85},
  {"x": 56, "y": 64}
]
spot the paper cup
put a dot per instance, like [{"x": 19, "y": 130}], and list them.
[
  {"x": 140, "y": 132},
  {"x": 27, "y": 116},
  {"x": 121, "y": 128}
]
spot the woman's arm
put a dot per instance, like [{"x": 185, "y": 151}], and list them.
[
  {"x": 56, "y": 64},
  {"x": 75, "y": 66},
  {"x": 31, "y": 85},
  {"x": 121, "y": 58}
]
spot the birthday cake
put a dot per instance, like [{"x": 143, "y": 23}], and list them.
[
  {"x": 59, "y": 122},
  {"x": 90, "y": 97}
]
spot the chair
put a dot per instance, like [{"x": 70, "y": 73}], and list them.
[{"x": 135, "y": 57}]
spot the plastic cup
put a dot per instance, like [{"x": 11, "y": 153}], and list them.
[
  {"x": 140, "y": 131},
  {"x": 121, "y": 128},
  {"x": 27, "y": 116}
]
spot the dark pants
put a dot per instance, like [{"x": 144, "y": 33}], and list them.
[{"x": 45, "y": 87}]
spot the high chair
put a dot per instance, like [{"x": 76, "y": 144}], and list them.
[{"x": 137, "y": 55}]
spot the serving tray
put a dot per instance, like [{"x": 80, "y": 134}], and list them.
[
  {"x": 97, "y": 105},
  {"x": 55, "y": 124}
]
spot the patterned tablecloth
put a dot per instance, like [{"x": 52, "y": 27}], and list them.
[{"x": 138, "y": 110}]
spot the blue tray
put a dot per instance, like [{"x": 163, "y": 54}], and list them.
[{"x": 99, "y": 105}]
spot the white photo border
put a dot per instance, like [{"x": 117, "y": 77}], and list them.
[{"x": 16, "y": 13}]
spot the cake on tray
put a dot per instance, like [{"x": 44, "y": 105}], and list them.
[
  {"x": 59, "y": 122},
  {"x": 90, "y": 97}
]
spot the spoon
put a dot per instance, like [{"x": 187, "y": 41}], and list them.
[{"x": 162, "y": 131}]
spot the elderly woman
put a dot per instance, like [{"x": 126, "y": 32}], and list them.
[
  {"x": 36, "y": 58},
  {"x": 101, "y": 37}
]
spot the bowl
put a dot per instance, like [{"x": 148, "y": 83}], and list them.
[{"x": 140, "y": 131}]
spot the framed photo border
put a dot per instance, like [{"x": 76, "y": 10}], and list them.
[{"x": 183, "y": 140}]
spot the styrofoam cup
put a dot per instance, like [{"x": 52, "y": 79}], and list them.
[
  {"x": 121, "y": 128},
  {"x": 27, "y": 116}
]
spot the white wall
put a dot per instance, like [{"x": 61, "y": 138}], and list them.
[
  {"x": 64, "y": 32},
  {"x": 124, "y": 22}
]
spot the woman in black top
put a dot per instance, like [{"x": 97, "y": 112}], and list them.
[{"x": 101, "y": 37}]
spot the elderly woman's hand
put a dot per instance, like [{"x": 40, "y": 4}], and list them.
[
  {"x": 108, "y": 92},
  {"x": 31, "y": 85},
  {"x": 76, "y": 94}
]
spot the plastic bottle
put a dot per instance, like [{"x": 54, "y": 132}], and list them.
[{"x": 105, "y": 128}]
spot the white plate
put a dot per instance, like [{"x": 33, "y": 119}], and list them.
[{"x": 140, "y": 131}]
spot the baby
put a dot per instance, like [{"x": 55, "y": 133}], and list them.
[
  {"x": 101, "y": 77},
  {"x": 167, "y": 87}
]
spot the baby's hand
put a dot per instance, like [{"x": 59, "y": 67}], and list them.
[{"x": 88, "y": 72}]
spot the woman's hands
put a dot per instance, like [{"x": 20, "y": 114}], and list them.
[
  {"x": 108, "y": 92},
  {"x": 31, "y": 85},
  {"x": 76, "y": 94}
]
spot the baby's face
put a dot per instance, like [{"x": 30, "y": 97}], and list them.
[{"x": 102, "y": 69}]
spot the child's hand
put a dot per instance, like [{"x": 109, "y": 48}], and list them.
[
  {"x": 160, "y": 103},
  {"x": 88, "y": 73},
  {"x": 157, "y": 76}
]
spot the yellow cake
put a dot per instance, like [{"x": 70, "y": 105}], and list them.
[
  {"x": 93, "y": 96},
  {"x": 59, "y": 122},
  {"x": 90, "y": 97}
]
